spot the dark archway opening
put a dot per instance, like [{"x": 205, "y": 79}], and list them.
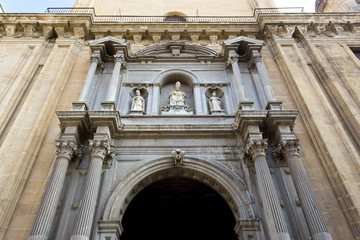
[{"x": 178, "y": 209}]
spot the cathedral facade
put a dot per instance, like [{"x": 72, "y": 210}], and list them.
[{"x": 180, "y": 120}]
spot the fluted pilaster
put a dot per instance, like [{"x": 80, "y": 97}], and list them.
[
  {"x": 99, "y": 149},
  {"x": 315, "y": 221},
  {"x": 44, "y": 219},
  {"x": 256, "y": 151}
]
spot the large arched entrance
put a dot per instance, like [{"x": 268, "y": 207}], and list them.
[{"x": 178, "y": 208}]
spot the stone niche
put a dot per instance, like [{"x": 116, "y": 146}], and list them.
[{"x": 168, "y": 86}]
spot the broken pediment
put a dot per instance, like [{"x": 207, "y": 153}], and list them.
[{"x": 176, "y": 49}]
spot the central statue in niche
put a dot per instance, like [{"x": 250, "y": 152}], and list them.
[
  {"x": 177, "y": 97},
  {"x": 177, "y": 104}
]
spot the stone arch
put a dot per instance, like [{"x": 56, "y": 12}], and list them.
[
  {"x": 188, "y": 76},
  {"x": 215, "y": 175}
]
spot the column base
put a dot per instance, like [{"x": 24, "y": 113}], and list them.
[
  {"x": 274, "y": 105},
  {"x": 217, "y": 112},
  {"x": 37, "y": 238},
  {"x": 110, "y": 229},
  {"x": 79, "y": 106},
  {"x": 322, "y": 236},
  {"x": 79, "y": 237},
  {"x": 136, "y": 112},
  {"x": 108, "y": 106},
  {"x": 280, "y": 236},
  {"x": 248, "y": 228},
  {"x": 246, "y": 105}
]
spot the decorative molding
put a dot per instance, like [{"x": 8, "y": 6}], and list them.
[
  {"x": 101, "y": 149},
  {"x": 255, "y": 148},
  {"x": 68, "y": 149},
  {"x": 286, "y": 148}
]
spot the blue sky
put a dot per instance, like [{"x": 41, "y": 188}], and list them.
[{"x": 39, "y": 6}]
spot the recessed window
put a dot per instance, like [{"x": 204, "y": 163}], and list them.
[
  {"x": 174, "y": 18},
  {"x": 356, "y": 51}
]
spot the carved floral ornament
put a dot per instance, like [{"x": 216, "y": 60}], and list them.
[
  {"x": 101, "y": 148},
  {"x": 313, "y": 30},
  {"x": 67, "y": 149},
  {"x": 287, "y": 148},
  {"x": 256, "y": 148}
]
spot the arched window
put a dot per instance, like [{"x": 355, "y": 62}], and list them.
[{"x": 174, "y": 18}]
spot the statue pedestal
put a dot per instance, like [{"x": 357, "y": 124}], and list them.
[
  {"x": 136, "y": 112},
  {"x": 177, "y": 110},
  {"x": 217, "y": 112}
]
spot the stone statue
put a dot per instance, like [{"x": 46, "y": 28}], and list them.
[
  {"x": 215, "y": 102},
  {"x": 177, "y": 97},
  {"x": 138, "y": 103},
  {"x": 177, "y": 104}
]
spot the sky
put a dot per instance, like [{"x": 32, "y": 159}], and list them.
[{"x": 39, "y": 6}]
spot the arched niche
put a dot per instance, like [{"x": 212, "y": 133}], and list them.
[
  {"x": 219, "y": 93},
  {"x": 164, "y": 83},
  {"x": 143, "y": 93}
]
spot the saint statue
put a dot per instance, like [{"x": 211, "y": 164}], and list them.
[
  {"x": 138, "y": 102},
  {"x": 177, "y": 97},
  {"x": 215, "y": 102}
]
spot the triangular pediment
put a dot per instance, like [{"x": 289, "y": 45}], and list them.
[
  {"x": 243, "y": 46},
  {"x": 109, "y": 46},
  {"x": 108, "y": 39},
  {"x": 243, "y": 39}
]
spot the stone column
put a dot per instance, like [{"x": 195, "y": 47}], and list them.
[
  {"x": 315, "y": 221},
  {"x": 109, "y": 103},
  {"x": 155, "y": 100},
  {"x": 44, "y": 219},
  {"x": 256, "y": 151},
  {"x": 197, "y": 100},
  {"x": 245, "y": 104},
  {"x": 257, "y": 60},
  {"x": 237, "y": 74},
  {"x": 272, "y": 103},
  {"x": 94, "y": 61},
  {"x": 99, "y": 149}
]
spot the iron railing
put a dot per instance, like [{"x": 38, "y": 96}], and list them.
[{"x": 179, "y": 19}]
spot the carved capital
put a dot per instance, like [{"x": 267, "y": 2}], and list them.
[
  {"x": 255, "y": 148},
  {"x": 119, "y": 57},
  {"x": 67, "y": 149},
  {"x": 100, "y": 148},
  {"x": 178, "y": 157},
  {"x": 95, "y": 57},
  {"x": 288, "y": 148},
  {"x": 256, "y": 57}
]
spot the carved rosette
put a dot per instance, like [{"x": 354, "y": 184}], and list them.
[
  {"x": 256, "y": 148},
  {"x": 288, "y": 148},
  {"x": 67, "y": 149}
]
